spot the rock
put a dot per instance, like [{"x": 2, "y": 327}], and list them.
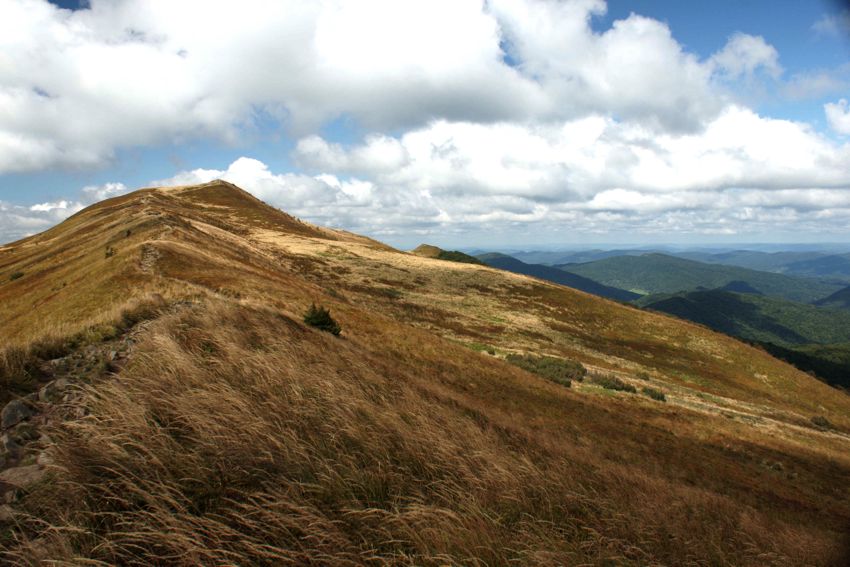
[
  {"x": 9, "y": 444},
  {"x": 25, "y": 432},
  {"x": 53, "y": 391},
  {"x": 44, "y": 459},
  {"x": 22, "y": 477},
  {"x": 15, "y": 412},
  {"x": 7, "y": 513},
  {"x": 48, "y": 368}
]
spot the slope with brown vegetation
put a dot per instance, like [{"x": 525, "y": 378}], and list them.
[{"x": 237, "y": 434}]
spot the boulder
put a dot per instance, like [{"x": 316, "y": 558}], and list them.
[
  {"x": 15, "y": 412},
  {"x": 22, "y": 477},
  {"x": 7, "y": 513},
  {"x": 53, "y": 391}
]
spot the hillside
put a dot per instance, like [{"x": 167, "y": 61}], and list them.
[
  {"x": 832, "y": 266},
  {"x": 752, "y": 259},
  {"x": 554, "y": 275},
  {"x": 838, "y": 300},
  {"x": 757, "y": 318},
  {"x": 809, "y": 337},
  {"x": 659, "y": 273},
  {"x": 174, "y": 409}
]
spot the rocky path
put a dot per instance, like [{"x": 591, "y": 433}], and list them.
[{"x": 25, "y": 447}]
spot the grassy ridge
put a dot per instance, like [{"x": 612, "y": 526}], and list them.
[{"x": 238, "y": 434}]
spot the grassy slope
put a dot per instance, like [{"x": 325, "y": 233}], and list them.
[
  {"x": 557, "y": 276},
  {"x": 239, "y": 435},
  {"x": 659, "y": 273}
]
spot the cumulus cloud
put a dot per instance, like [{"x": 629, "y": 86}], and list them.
[
  {"x": 17, "y": 221},
  {"x": 838, "y": 116},
  {"x": 76, "y": 86},
  {"x": 744, "y": 173},
  {"x": 484, "y": 116},
  {"x": 744, "y": 55}
]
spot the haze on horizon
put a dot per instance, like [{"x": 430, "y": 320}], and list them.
[{"x": 464, "y": 124}]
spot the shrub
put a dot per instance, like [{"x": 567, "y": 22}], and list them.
[
  {"x": 320, "y": 317},
  {"x": 655, "y": 394},
  {"x": 821, "y": 422},
  {"x": 614, "y": 383},
  {"x": 16, "y": 276},
  {"x": 557, "y": 370}
]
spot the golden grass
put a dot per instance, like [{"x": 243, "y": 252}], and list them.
[{"x": 238, "y": 435}]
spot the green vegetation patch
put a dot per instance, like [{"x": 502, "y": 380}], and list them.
[
  {"x": 613, "y": 383},
  {"x": 320, "y": 317},
  {"x": 657, "y": 395},
  {"x": 457, "y": 256},
  {"x": 16, "y": 276},
  {"x": 557, "y": 370}
]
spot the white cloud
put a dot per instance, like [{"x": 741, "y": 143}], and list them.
[
  {"x": 17, "y": 221},
  {"x": 484, "y": 116},
  {"x": 76, "y": 86},
  {"x": 838, "y": 116},
  {"x": 833, "y": 25},
  {"x": 743, "y": 174},
  {"x": 94, "y": 193},
  {"x": 744, "y": 55}
]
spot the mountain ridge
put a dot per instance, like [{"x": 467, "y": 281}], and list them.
[{"x": 232, "y": 431}]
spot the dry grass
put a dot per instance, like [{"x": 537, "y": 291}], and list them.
[
  {"x": 20, "y": 363},
  {"x": 237, "y": 435}
]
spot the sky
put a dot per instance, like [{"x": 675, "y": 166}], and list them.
[{"x": 462, "y": 123}]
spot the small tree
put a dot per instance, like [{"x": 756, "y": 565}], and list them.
[{"x": 320, "y": 318}]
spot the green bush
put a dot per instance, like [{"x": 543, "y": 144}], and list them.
[
  {"x": 655, "y": 394},
  {"x": 613, "y": 383},
  {"x": 557, "y": 370},
  {"x": 16, "y": 276},
  {"x": 320, "y": 318}
]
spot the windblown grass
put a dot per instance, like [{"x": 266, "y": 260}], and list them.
[{"x": 237, "y": 435}]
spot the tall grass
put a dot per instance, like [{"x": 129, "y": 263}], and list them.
[
  {"x": 239, "y": 436},
  {"x": 19, "y": 363}
]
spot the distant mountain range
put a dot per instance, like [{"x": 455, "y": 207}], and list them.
[
  {"x": 660, "y": 273},
  {"x": 504, "y": 262},
  {"x": 811, "y": 264}
]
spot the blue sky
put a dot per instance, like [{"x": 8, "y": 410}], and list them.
[{"x": 525, "y": 121}]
